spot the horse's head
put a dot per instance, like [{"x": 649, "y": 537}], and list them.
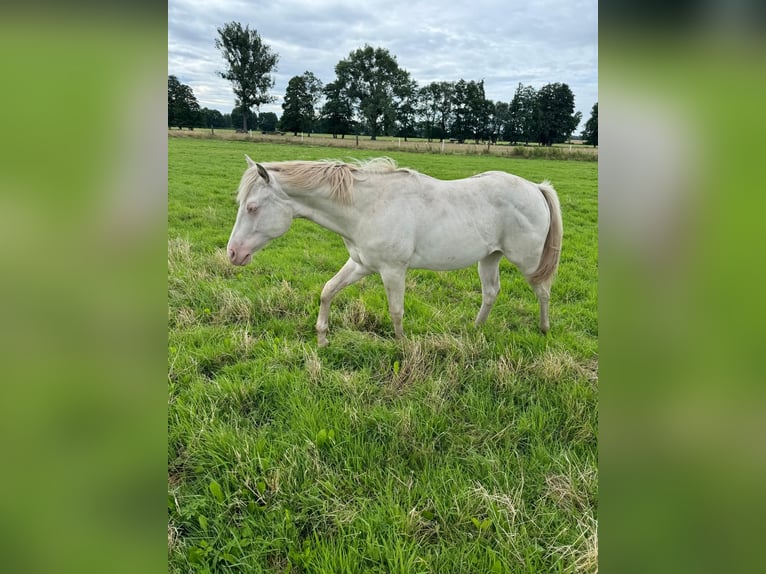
[{"x": 264, "y": 213}]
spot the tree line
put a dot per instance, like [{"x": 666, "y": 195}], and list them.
[{"x": 372, "y": 95}]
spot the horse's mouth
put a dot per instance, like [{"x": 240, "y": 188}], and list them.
[
  {"x": 244, "y": 261},
  {"x": 236, "y": 259}
]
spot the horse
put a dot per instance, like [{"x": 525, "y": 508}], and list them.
[{"x": 392, "y": 219}]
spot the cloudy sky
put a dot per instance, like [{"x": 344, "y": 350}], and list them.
[{"x": 502, "y": 42}]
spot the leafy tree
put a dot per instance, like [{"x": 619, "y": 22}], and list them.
[
  {"x": 249, "y": 65},
  {"x": 470, "y": 111},
  {"x": 523, "y": 119},
  {"x": 480, "y": 111},
  {"x": 294, "y": 110},
  {"x": 239, "y": 119},
  {"x": 590, "y": 133},
  {"x": 213, "y": 118},
  {"x": 427, "y": 108},
  {"x": 338, "y": 110},
  {"x": 555, "y": 103},
  {"x": 183, "y": 108},
  {"x": 498, "y": 120},
  {"x": 374, "y": 83},
  {"x": 268, "y": 121},
  {"x": 445, "y": 93},
  {"x": 459, "y": 125},
  {"x": 407, "y": 110},
  {"x": 301, "y": 97},
  {"x": 314, "y": 87}
]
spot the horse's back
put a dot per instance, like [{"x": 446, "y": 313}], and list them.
[{"x": 452, "y": 224}]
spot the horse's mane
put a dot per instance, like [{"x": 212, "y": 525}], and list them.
[{"x": 336, "y": 175}]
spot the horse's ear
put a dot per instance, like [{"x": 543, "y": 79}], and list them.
[
  {"x": 250, "y": 163},
  {"x": 262, "y": 172}
]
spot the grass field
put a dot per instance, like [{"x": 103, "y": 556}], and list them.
[{"x": 459, "y": 449}]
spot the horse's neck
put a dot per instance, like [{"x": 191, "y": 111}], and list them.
[{"x": 326, "y": 212}]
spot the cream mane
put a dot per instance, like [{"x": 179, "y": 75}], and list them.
[{"x": 336, "y": 175}]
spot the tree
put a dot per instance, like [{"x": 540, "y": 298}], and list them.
[
  {"x": 445, "y": 92},
  {"x": 268, "y": 121},
  {"x": 315, "y": 92},
  {"x": 373, "y": 82},
  {"x": 428, "y": 101},
  {"x": 479, "y": 111},
  {"x": 338, "y": 110},
  {"x": 407, "y": 110},
  {"x": 590, "y": 133},
  {"x": 249, "y": 65},
  {"x": 301, "y": 97},
  {"x": 239, "y": 119},
  {"x": 213, "y": 118},
  {"x": 470, "y": 111},
  {"x": 523, "y": 120},
  {"x": 498, "y": 120},
  {"x": 183, "y": 108},
  {"x": 555, "y": 103}
]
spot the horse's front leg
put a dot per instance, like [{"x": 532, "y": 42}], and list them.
[
  {"x": 350, "y": 273},
  {"x": 393, "y": 281}
]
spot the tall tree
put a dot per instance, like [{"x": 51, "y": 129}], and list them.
[
  {"x": 183, "y": 108},
  {"x": 428, "y": 102},
  {"x": 459, "y": 126},
  {"x": 314, "y": 89},
  {"x": 374, "y": 82},
  {"x": 213, "y": 118},
  {"x": 445, "y": 92},
  {"x": 301, "y": 97},
  {"x": 590, "y": 133},
  {"x": 238, "y": 118},
  {"x": 480, "y": 111},
  {"x": 249, "y": 65},
  {"x": 498, "y": 120},
  {"x": 523, "y": 120},
  {"x": 470, "y": 111},
  {"x": 407, "y": 110},
  {"x": 338, "y": 110},
  {"x": 555, "y": 103},
  {"x": 268, "y": 121}
]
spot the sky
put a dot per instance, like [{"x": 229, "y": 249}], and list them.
[{"x": 503, "y": 42}]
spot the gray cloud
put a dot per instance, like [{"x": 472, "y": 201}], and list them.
[{"x": 500, "y": 41}]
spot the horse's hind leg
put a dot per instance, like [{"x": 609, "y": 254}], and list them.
[
  {"x": 350, "y": 273},
  {"x": 543, "y": 292},
  {"x": 393, "y": 281},
  {"x": 489, "y": 273}
]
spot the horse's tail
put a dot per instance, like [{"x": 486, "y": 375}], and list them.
[{"x": 549, "y": 261}]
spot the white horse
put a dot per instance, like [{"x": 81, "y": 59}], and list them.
[{"x": 392, "y": 219}]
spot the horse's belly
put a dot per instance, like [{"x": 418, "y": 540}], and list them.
[{"x": 448, "y": 257}]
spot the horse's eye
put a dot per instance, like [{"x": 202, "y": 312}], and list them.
[{"x": 252, "y": 208}]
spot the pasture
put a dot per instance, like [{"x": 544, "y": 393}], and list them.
[
  {"x": 458, "y": 449},
  {"x": 574, "y": 150}
]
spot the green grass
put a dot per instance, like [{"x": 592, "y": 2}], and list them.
[{"x": 456, "y": 450}]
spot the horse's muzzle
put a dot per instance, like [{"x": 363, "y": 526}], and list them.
[{"x": 241, "y": 257}]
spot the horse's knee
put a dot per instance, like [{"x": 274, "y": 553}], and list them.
[{"x": 326, "y": 296}]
